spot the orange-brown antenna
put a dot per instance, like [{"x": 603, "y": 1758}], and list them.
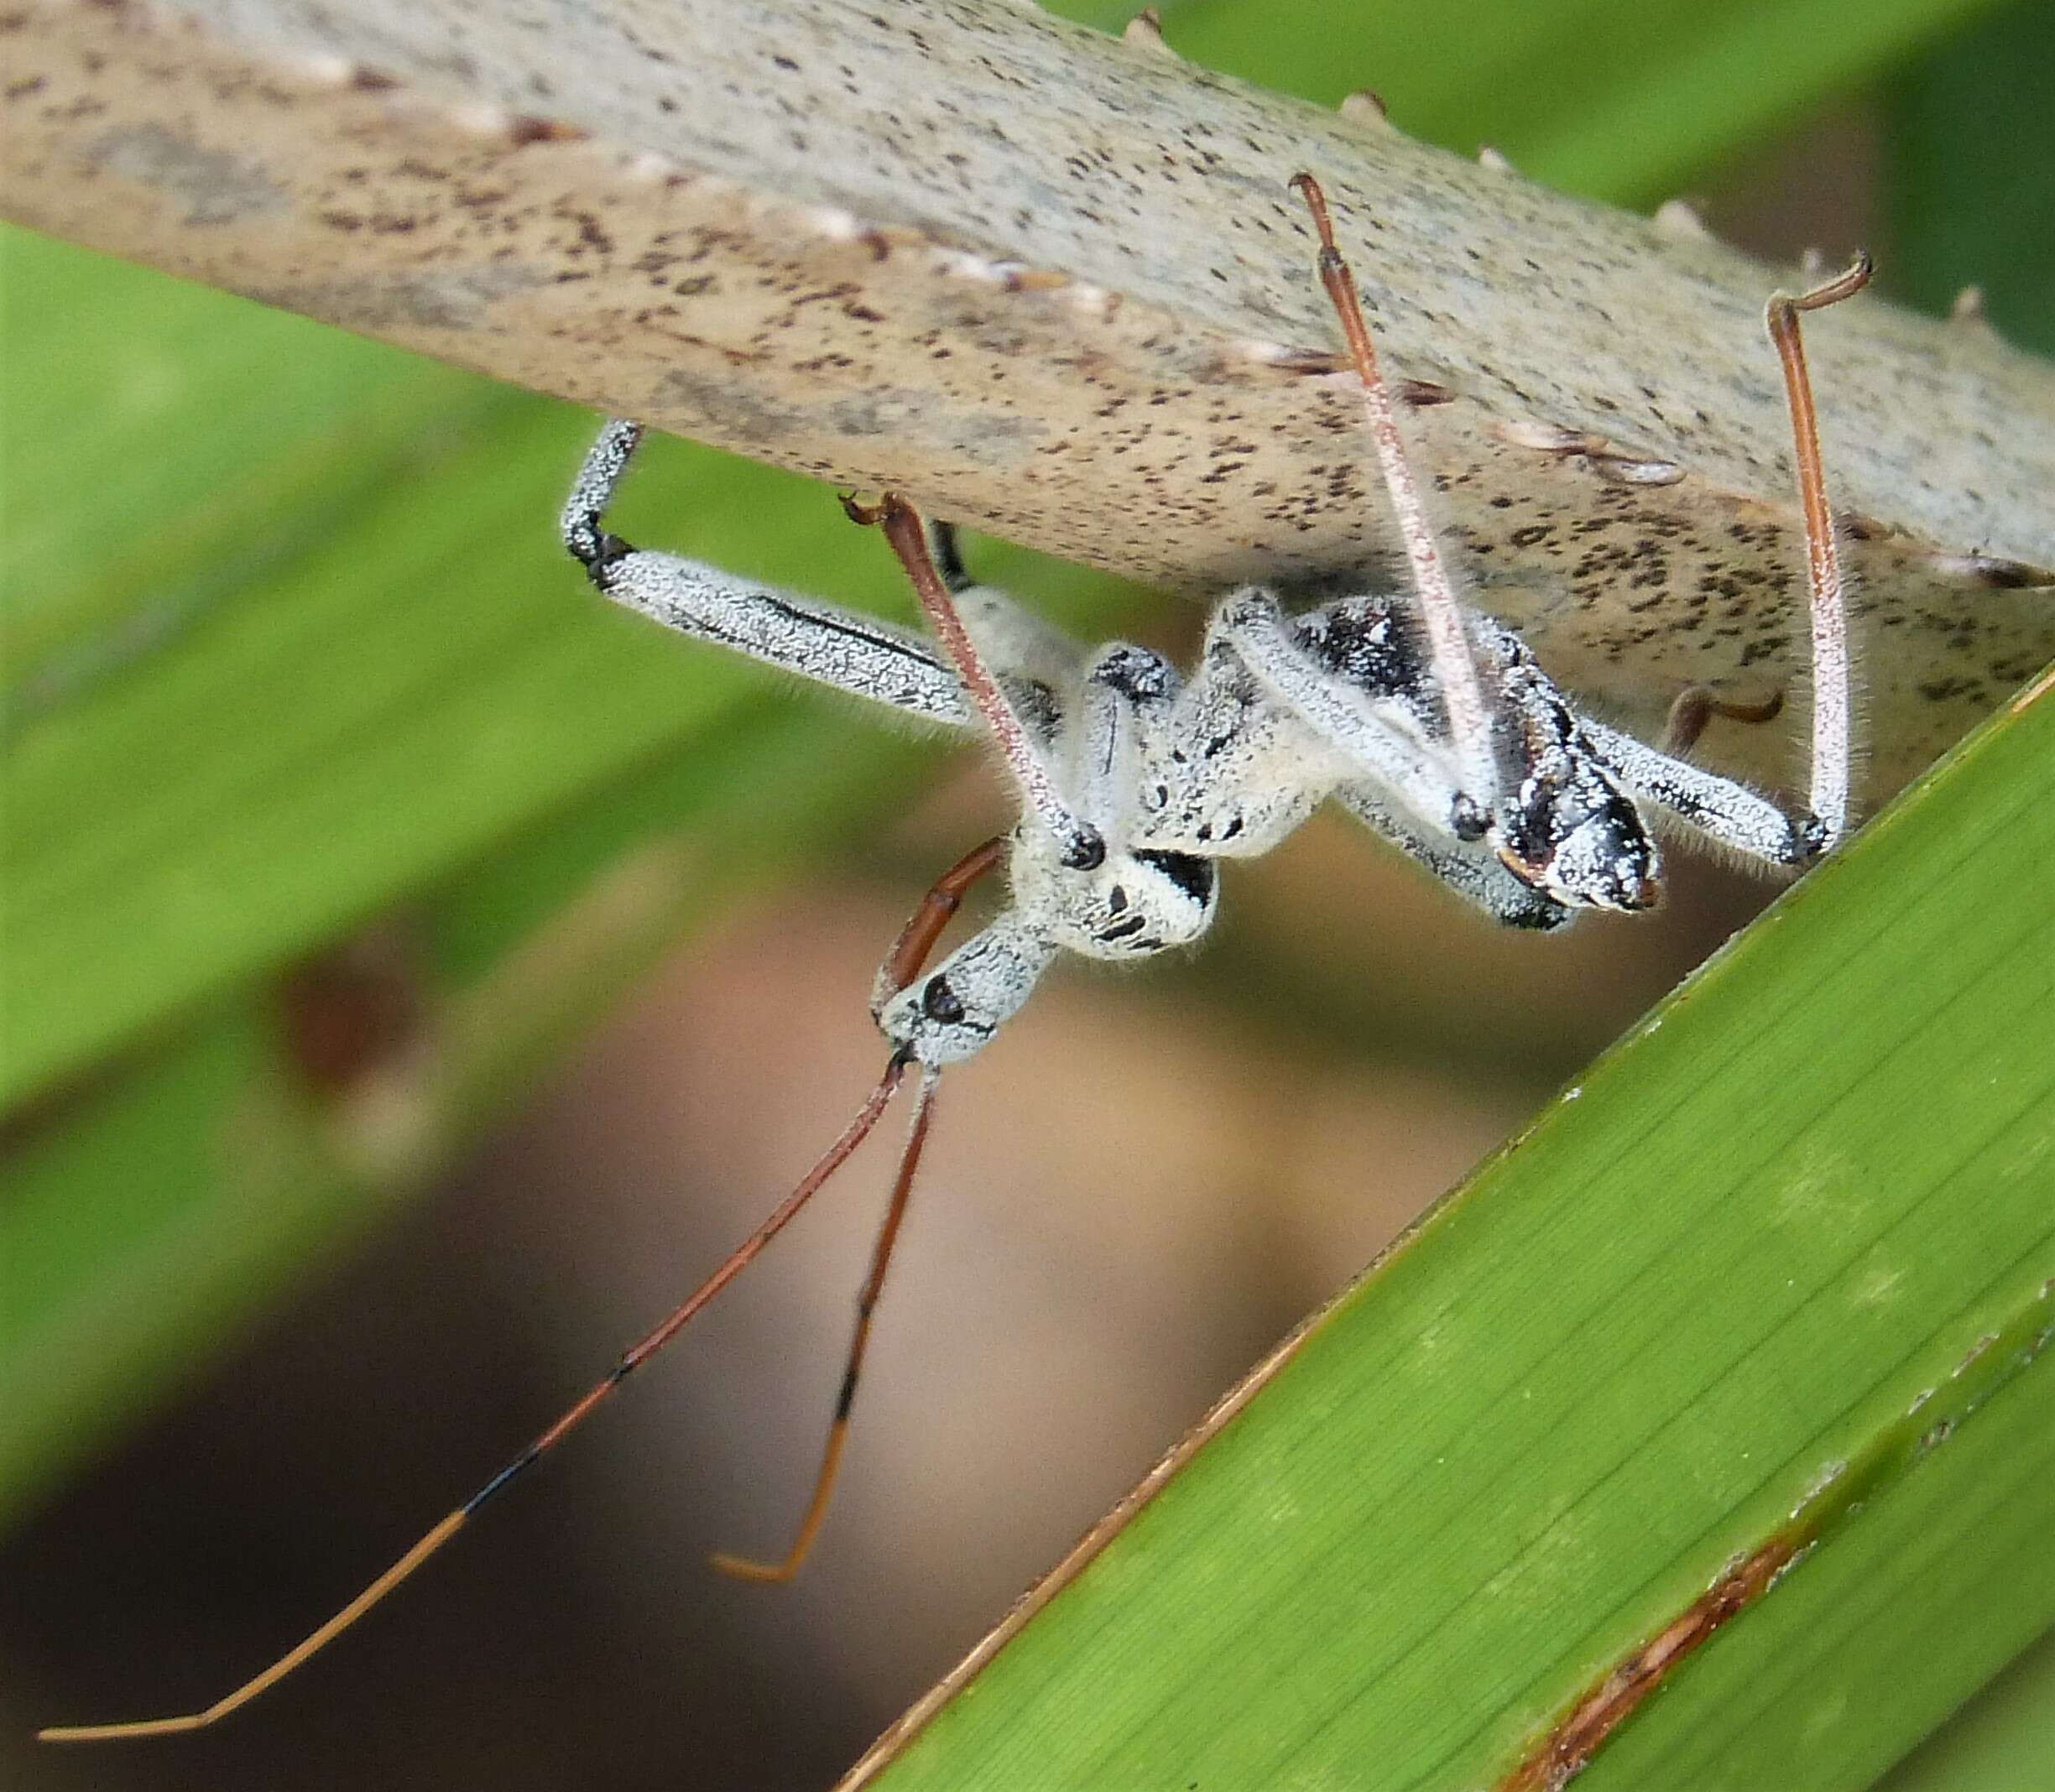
[
  {"x": 909, "y": 952},
  {"x": 747, "y": 1568},
  {"x": 632, "y": 1359},
  {"x": 915, "y": 941},
  {"x": 1083, "y": 847}
]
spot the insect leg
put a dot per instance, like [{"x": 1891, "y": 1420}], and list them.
[
  {"x": 1473, "y": 870},
  {"x": 1345, "y": 718},
  {"x": 1729, "y": 810},
  {"x": 593, "y": 492},
  {"x": 1722, "y": 807},
  {"x": 902, "y": 964},
  {"x": 1015, "y": 642},
  {"x": 820, "y": 641},
  {"x": 1833, "y": 678},
  {"x": 1441, "y": 613},
  {"x": 917, "y": 939},
  {"x": 947, "y": 555},
  {"x": 748, "y": 1568},
  {"x": 1121, "y": 707}
]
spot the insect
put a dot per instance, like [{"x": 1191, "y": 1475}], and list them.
[{"x": 1428, "y": 721}]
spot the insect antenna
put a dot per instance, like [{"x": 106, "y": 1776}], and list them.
[
  {"x": 1083, "y": 845},
  {"x": 902, "y": 964},
  {"x": 748, "y": 1568},
  {"x": 630, "y": 1360},
  {"x": 909, "y": 952}
]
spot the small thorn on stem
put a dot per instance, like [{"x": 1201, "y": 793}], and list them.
[
  {"x": 1992, "y": 572},
  {"x": 1619, "y": 469},
  {"x": 1678, "y": 218},
  {"x": 1307, "y": 362},
  {"x": 1366, "y": 107},
  {"x": 1549, "y": 438},
  {"x": 1144, "y": 31},
  {"x": 527, "y": 129},
  {"x": 1420, "y": 394},
  {"x": 1017, "y": 277}
]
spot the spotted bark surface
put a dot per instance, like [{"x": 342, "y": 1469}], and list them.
[{"x": 1054, "y": 284}]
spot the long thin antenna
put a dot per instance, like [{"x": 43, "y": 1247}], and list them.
[
  {"x": 747, "y": 1568},
  {"x": 1082, "y": 846},
  {"x": 902, "y": 964},
  {"x": 1833, "y": 675},
  {"x": 852, "y": 1135},
  {"x": 1469, "y": 719}
]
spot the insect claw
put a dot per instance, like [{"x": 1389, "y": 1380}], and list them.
[{"x": 1844, "y": 285}]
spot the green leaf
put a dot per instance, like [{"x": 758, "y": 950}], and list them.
[
  {"x": 263, "y": 705},
  {"x": 1971, "y": 148},
  {"x": 2003, "y": 1738},
  {"x": 1972, "y": 168},
  {"x": 334, "y": 805},
  {"x": 295, "y": 671},
  {"x": 1766, "y": 1291}
]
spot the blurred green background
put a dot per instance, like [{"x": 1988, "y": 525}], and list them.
[{"x": 337, "y": 815}]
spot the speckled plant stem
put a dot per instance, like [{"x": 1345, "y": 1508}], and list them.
[{"x": 1055, "y": 284}]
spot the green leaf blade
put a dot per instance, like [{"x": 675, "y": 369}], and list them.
[{"x": 1734, "y": 1295}]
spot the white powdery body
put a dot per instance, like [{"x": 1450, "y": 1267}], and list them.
[{"x": 1429, "y": 722}]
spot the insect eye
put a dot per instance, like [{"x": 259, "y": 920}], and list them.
[
  {"x": 1087, "y": 852},
  {"x": 938, "y": 1002}
]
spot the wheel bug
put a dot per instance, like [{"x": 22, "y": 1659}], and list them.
[{"x": 1428, "y": 721}]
